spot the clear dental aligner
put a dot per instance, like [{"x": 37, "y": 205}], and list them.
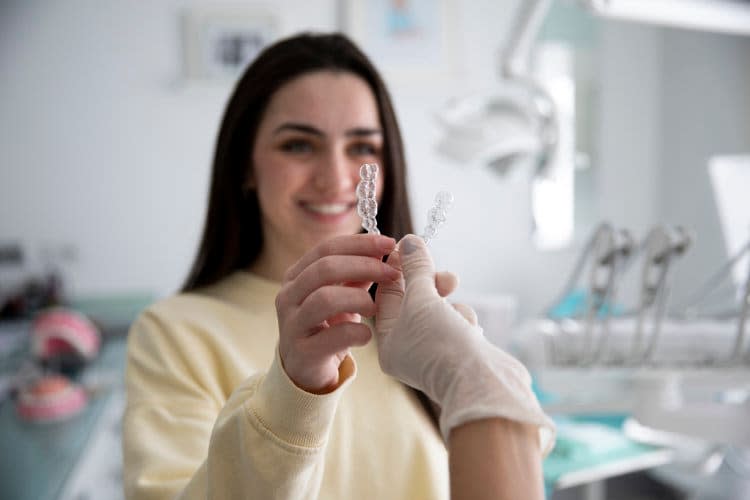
[
  {"x": 367, "y": 205},
  {"x": 437, "y": 215}
]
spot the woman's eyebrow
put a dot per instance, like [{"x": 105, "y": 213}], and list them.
[
  {"x": 309, "y": 129},
  {"x": 298, "y": 127},
  {"x": 363, "y": 131}
]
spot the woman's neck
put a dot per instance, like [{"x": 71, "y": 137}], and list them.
[{"x": 272, "y": 265}]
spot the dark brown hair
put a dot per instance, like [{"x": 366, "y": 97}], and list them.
[{"x": 232, "y": 236}]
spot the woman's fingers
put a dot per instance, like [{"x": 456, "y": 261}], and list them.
[
  {"x": 333, "y": 270},
  {"x": 446, "y": 283},
  {"x": 367, "y": 245},
  {"x": 320, "y": 303},
  {"x": 343, "y": 318},
  {"x": 341, "y": 337},
  {"x": 333, "y": 340},
  {"x": 331, "y": 301},
  {"x": 313, "y": 362}
]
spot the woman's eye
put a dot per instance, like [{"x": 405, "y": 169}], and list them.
[
  {"x": 297, "y": 146},
  {"x": 363, "y": 149}
]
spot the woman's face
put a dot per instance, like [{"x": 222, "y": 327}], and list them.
[{"x": 315, "y": 134}]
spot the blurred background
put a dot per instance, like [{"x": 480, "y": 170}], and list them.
[
  {"x": 107, "y": 140},
  {"x": 109, "y": 112}
]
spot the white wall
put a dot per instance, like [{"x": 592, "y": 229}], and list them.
[
  {"x": 103, "y": 145},
  {"x": 706, "y": 91}
]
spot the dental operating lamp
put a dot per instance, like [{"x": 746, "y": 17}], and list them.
[
  {"x": 527, "y": 120},
  {"x": 516, "y": 121},
  {"x": 519, "y": 119}
]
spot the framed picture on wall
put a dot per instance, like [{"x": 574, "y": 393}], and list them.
[
  {"x": 407, "y": 39},
  {"x": 218, "y": 43}
]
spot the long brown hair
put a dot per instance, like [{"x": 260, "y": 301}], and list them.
[{"x": 232, "y": 236}]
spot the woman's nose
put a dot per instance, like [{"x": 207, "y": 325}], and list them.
[{"x": 335, "y": 174}]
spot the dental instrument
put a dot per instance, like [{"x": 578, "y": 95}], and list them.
[
  {"x": 662, "y": 245},
  {"x": 608, "y": 253},
  {"x": 688, "y": 309}
]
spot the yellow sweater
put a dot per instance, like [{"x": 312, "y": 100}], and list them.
[{"x": 211, "y": 413}]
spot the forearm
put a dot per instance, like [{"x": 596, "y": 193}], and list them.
[{"x": 495, "y": 458}]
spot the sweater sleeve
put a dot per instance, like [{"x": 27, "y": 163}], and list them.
[{"x": 267, "y": 441}]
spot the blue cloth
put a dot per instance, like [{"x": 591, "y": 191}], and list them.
[
  {"x": 587, "y": 441},
  {"x": 575, "y": 305}
]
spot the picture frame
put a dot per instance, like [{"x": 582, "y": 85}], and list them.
[
  {"x": 219, "y": 42},
  {"x": 406, "y": 39}
]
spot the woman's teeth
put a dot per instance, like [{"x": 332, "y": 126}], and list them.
[{"x": 328, "y": 208}]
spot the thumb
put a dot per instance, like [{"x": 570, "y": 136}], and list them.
[
  {"x": 388, "y": 298},
  {"x": 416, "y": 262}
]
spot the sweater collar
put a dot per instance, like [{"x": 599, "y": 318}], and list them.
[{"x": 245, "y": 288}]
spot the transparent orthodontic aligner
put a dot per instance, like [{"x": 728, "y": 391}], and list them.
[
  {"x": 437, "y": 215},
  {"x": 367, "y": 205}
]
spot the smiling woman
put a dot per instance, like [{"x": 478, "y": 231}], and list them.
[
  {"x": 262, "y": 340},
  {"x": 245, "y": 385},
  {"x": 317, "y": 131},
  {"x": 233, "y": 235}
]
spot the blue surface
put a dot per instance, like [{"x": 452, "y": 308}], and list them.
[{"x": 588, "y": 441}]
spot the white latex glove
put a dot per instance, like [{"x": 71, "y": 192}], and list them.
[{"x": 428, "y": 344}]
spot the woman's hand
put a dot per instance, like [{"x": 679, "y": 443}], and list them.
[{"x": 321, "y": 302}]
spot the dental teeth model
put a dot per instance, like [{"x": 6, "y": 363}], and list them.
[
  {"x": 367, "y": 205},
  {"x": 437, "y": 215}
]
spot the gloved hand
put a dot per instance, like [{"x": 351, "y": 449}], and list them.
[{"x": 434, "y": 347}]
